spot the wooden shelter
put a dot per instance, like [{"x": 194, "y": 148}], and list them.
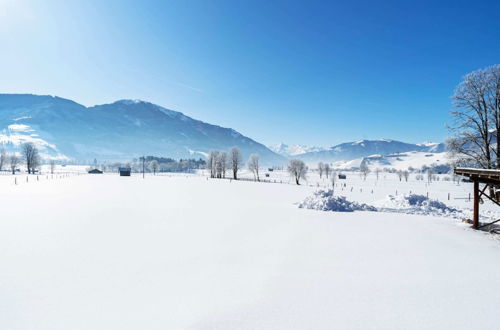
[
  {"x": 490, "y": 179},
  {"x": 124, "y": 171}
]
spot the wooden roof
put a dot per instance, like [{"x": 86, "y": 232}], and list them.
[{"x": 479, "y": 175}]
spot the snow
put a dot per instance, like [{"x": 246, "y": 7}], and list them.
[
  {"x": 129, "y": 101},
  {"x": 400, "y": 161},
  {"x": 18, "y": 139},
  {"x": 417, "y": 204},
  {"x": 294, "y": 149},
  {"x": 20, "y": 128},
  {"x": 324, "y": 200},
  {"x": 374, "y": 191},
  {"x": 187, "y": 252}
]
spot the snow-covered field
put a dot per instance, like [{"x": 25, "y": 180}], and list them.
[
  {"x": 187, "y": 252},
  {"x": 375, "y": 191}
]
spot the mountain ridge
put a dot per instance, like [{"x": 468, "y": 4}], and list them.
[
  {"x": 363, "y": 148},
  {"x": 115, "y": 131}
]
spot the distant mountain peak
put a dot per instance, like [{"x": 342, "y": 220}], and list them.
[
  {"x": 364, "y": 148},
  {"x": 293, "y": 149},
  {"x": 129, "y": 101}
]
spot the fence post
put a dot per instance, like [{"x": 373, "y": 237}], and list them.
[{"x": 475, "y": 223}]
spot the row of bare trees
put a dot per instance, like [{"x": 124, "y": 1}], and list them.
[
  {"x": 324, "y": 169},
  {"x": 11, "y": 161},
  {"x": 218, "y": 162},
  {"x": 29, "y": 154}
]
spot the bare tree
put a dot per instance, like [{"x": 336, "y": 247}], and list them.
[
  {"x": 235, "y": 160},
  {"x": 153, "y": 165},
  {"x": 321, "y": 168},
  {"x": 297, "y": 169},
  {"x": 475, "y": 119},
  {"x": 430, "y": 175},
  {"x": 400, "y": 174},
  {"x": 212, "y": 162},
  {"x": 3, "y": 158},
  {"x": 365, "y": 170},
  {"x": 143, "y": 166},
  {"x": 13, "y": 162},
  {"x": 52, "y": 166},
  {"x": 31, "y": 157},
  {"x": 222, "y": 164},
  {"x": 493, "y": 101},
  {"x": 377, "y": 172},
  {"x": 218, "y": 165},
  {"x": 327, "y": 170},
  {"x": 406, "y": 175},
  {"x": 253, "y": 165}
]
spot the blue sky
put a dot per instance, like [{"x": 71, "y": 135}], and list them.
[{"x": 307, "y": 72}]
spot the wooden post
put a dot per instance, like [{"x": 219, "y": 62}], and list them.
[{"x": 475, "y": 219}]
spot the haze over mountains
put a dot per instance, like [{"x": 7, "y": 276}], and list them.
[
  {"x": 383, "y": 153},
  {"x": 118, "y": 131},
  {"x": 365, "y": 148},
  {"x": 127, "y": 129},
  {"x": 293, "y": 149}
]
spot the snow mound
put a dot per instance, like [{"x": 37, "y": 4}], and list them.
[
  {"x": 416, "y": 204},
  {"x": 324, "y": 200}
]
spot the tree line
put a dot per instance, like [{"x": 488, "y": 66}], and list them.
[
  {"x": 153, "y": 164},
  {"x": 28, "y": 154},
  {"x": 219, "y": 162}
]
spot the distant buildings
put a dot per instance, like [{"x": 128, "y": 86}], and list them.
[
  {"x": 124, "y": 171},
  {"x": 95, "y": 171}
]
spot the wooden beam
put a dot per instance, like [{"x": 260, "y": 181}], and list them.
[{"x": 475, "y": 220}]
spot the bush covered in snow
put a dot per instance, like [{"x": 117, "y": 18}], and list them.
[
  {"x": 325, "y": 201},
  {"x": 416, "y": 204}
]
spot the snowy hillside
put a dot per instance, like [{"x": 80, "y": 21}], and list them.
[
  {"x": 293, "y": 149},
  {"x": 400, "y": 161},
  {"x": 364, "y": 148},
  {"x": 118, "y": 131}
]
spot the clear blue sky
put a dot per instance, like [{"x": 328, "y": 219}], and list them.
[{"x": 308, "y": 72}]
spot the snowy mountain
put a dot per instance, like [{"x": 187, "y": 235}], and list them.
[
  {"x": 118, "y": 131},
  {"x": 293, "y": 149},
  {"x": 364, "y": 148}
]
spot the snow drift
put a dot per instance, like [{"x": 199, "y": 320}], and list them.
[
  {"x": 324, "y": 200},
  {"x": 416, "y": 204}
]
